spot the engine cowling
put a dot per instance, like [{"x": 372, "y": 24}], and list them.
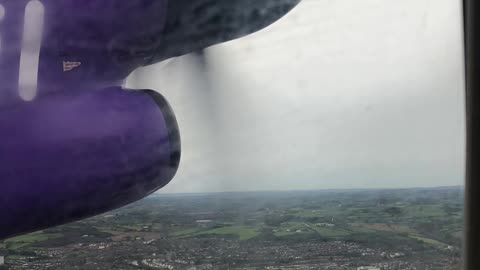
[{"x": 78, "y": 154}]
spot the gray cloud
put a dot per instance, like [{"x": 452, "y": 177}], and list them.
[{"x": 338, "y": 94}]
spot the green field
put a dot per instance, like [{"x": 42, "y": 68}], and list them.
[
  {"x": 423, "y": 211},
  {"x": 243, "y": 232},
  {"x": 185, "y": 232},
  {"x": 331, "y": 232},
  {"x": 429, "y": 241},
  {"x": 29, "y": 239}
]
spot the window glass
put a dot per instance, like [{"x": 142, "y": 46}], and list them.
[{"x": 332, "y": 139}]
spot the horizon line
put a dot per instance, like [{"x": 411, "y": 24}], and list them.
[{"x": 158, "y": 193}]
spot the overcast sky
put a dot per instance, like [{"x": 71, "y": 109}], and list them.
[{"x": 338, "y": 94}]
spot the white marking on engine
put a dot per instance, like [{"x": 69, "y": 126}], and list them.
[
  {"x": 68, "y": 66},
  {"x": 30, "y": 55}
]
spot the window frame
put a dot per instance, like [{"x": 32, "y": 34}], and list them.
[{"x": 472, "y": 185}]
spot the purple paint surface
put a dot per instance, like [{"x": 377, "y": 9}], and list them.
[
  {"x": 71, "y": 156},
  {"x": 84, "y": 145}
]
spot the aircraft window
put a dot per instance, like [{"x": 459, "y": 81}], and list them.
[
  {"x": 29, "y": 59},
  {"x": 334, "y": 138}
]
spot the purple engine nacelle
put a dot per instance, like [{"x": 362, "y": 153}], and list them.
[{"x": 73, "y": 142}]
